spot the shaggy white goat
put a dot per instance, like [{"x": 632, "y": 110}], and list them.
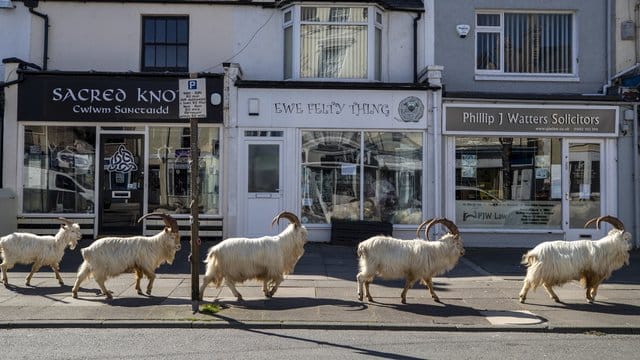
[
  {"x": 26, "y": 248},
  {"x": 554, "y": 263},
  {"x": 111, "y": 256},
  {"x": 413, "y": 260},
  {"x": 267, "y": 258}
]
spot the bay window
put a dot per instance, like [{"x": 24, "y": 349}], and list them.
[{"x": 337, "y": 42}]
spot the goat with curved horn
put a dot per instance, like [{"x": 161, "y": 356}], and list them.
[
  {"x": 266, "y": 258},
  {"x": 111, "y": 256},
  {"x": 553, "y": 263},
  {"x": 412, "y": 260}
]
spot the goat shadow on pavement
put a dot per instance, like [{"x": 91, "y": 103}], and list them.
[
  {"x": 288, "y": 303},
  {"x": 602, "y": 307}
]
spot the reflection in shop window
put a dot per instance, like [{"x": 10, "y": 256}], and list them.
[
  {"x": 169, "y": 173},
  {"x": 59, "y": 169},
  {"x": 334, "y": 164},
  {"x": 508, "y": 182}
]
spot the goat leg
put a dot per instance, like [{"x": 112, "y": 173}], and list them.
[
  {"x": 34, "y": 268},
  {"x": 138, "y": 275},
  {"x": 233, "y": 289},
  {"x": 428, "y": 282},
  {"x": 56, "y": 271},
  {"x": 408, "y": 283},
  {"x": 525, "y": 289},
  {"x": 549, "y": 289}
]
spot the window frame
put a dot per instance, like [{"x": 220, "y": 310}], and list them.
[
  {"x": 291, "y": 19},
  {"x": 165, "y": 44},
  {"x": 500, "y": 74}
]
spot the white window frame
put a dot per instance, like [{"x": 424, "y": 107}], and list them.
[
  {"x": 499, "y": 74},
  {"x": 291, "y": 18}
]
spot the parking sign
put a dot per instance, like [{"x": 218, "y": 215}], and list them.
[{"x": 193, "y": 98}]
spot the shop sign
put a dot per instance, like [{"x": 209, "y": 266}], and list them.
[
  {"x": 534, "y": 119},
  {"x": 107, "y": 98}
]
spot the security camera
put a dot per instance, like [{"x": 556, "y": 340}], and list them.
[{"x": 463, "y": 30}]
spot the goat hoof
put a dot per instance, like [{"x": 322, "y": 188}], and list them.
[
  {"x": 359, "y": 297},
  {"x": 522, "y": 300},
  {"x": 556, "y": 299}
]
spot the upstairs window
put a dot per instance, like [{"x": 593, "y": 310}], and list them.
[
  {"x": 165, "y": 43},
  {"x": 525, "y": 44},
  {"x": 336, "y": 42}
]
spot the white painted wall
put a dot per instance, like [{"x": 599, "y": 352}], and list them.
[
  {"x": 15, "y": 27},
  {"x": 625, "y": 50},
  {"x": 107, "y": 36}
]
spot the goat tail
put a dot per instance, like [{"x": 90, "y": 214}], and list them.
[
  {"x": 528, "y": 259},
  {"x": 362, "y": 251}
]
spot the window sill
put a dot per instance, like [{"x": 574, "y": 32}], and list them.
[{"x": 510, "y": 77}]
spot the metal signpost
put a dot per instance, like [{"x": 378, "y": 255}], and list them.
[{"x": 193, "y": 105}]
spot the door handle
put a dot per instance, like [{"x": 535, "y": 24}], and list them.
[{"x": 566, "y": 196}]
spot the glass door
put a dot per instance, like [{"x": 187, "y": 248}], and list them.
[
  {"x": 121, "y": 184},
  {"x": 583, "y": 187},
  {"x": 263, "y": 185}
]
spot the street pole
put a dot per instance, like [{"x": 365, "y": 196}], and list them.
[{"x": 195, "y": 248}]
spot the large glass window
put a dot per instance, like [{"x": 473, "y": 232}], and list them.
[
  {"x": 165, "y": 43},
  {"x": 169, "y": 171},
  {"x": 508, "y": 182},
  {"x": 375, "y": 176},
  {"x": 524, "y": 43},
  {"x": 334, "y": 42},
  {"x": 59, "y": 169}
]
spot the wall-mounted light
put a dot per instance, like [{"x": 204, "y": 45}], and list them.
[
  {"x": 215, "y": 99},
  {"x": 463, "y": 30},
  {"x": 254, "y": 107}
]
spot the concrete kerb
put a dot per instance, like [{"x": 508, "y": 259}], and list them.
[{"x": 292, "y": 325}]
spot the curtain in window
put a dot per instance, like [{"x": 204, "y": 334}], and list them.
[
  {"x": 538, "y": 43},
  {"x": 333, "y": 51}
]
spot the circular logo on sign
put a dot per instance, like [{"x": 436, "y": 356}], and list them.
[{"x": 411, "y": 109}]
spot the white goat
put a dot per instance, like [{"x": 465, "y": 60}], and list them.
[
  {"x": 267, "y": 258},
  {"x": 111, "y": 256},
  {"x": 554, "y": 263},
  {"x": 26, "y": 248},
  {"x": 413, "y": 260}
]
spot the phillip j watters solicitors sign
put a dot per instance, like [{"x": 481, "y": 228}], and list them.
[{"x": 598, "y": 121}]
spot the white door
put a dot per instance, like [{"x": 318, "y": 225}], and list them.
[
  {"x": 263, "y": 185},
  {"x": 583, "y": 187}
]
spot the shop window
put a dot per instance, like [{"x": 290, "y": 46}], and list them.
[
  {"x": 170, "y": 173},
  {"x": 530, "y": 44},
  {"x": 388, "y": 164},
  {"x": 59, "y": 169},
  {"x": 165, "y": 43},
  {"x": 508, "y": 182},
  {"x": 336, "y": 42}
]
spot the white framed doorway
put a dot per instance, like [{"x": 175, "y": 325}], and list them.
[
  {"x": 584, "y": 186},
  {"x": 261, "y": 181}
]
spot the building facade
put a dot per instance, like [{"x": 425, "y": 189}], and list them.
[
  {"x": 534, "y": 142},
  {"x": 312, "y": 107}
]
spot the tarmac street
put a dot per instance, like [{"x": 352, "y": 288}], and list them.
[{"x": 479, "y": 294}]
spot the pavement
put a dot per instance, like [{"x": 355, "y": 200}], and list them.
[{"x": 479, "y": 294}]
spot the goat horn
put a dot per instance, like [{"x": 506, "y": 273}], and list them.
[
  {"x": 168, "y": 220},
  {"x": 421, "y": 226},
  {"x": 611, "y": 220},
  {"x": 287, "y": 215},
  {"x": 444, "y": 221},
  {"x": 66, "y": 221},
  {"x": 586, "y": 225}
]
